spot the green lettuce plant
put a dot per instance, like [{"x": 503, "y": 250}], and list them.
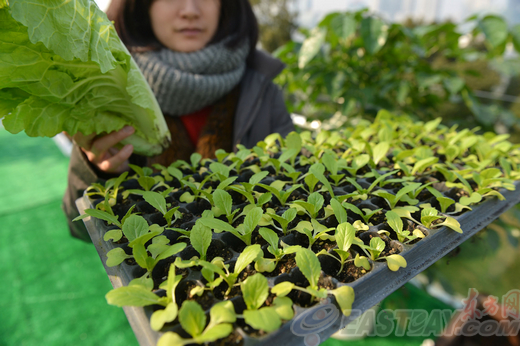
[{"x": 54, "y": 80}]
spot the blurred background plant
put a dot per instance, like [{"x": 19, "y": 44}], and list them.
[{"x": 352, "y": 64}]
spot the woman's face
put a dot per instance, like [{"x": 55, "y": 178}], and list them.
[{"x": 185, "y": 25}]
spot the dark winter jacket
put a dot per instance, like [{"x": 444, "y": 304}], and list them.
[{"x": 260, "y": 111}]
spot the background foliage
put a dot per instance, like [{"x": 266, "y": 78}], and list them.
[
  {"x": 354, "y": 64},
  {"x": 276, "y": 21}
]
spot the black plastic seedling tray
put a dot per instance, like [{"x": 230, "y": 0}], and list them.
[{"x": 370, "y": 289}]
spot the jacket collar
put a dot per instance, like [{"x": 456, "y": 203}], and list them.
[{"x": 267, "y": 65}]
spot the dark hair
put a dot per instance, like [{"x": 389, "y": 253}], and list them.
[{"x": 133, "y": 25}]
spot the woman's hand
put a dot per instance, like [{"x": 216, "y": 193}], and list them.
[{"x": 101, "y": 152}]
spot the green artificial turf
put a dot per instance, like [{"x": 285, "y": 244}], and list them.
[{"x": 53, "y": 285}]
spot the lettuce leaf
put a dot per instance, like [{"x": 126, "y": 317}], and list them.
[{"x": 63, "y": 68}]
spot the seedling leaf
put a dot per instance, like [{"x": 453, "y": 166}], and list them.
[
  {"x": 248, "y": 255},
  {"x": 116, "y": 256},
  {"x": 156, "y": 200},
  {"x": 395, "y": 262},
  {"x": 192, "y": 318},
  {"x": 345, "y": 297},
  {"x": 309, "y": 266},
  {"x": 255, "y": 291},
  {"x": 284, "y": 307},
  {"x": 214, "y": 333},
  {"x": 265, "y": 319},
  {"x": 99, "y": 214},
  {"x": 134, "y": 227},
  {"x": 283, "y": 288},
  {"x": 200, "y": 238},
  {"x": 160, "y": 317},
  {"x": 132, "y": 296}
]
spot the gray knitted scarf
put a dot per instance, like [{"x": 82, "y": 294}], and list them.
[{"x": 186, "y": 82}]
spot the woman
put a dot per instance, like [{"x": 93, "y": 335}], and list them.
[{"x": 213, "y": 86}]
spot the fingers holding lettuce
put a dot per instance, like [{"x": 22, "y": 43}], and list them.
[{"x": 104, "y": 152}]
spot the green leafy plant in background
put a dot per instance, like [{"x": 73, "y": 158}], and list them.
[
  {"x": 49, "y": 84},
  {"x": 355, "y": 64}
]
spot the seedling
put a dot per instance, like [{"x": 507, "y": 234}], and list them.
[
  {"x": 144, "y": 178},
  {"x": 246, "y": 189},
  {"x": 108, "y": 192},
  {"x": 269, "y": 264},
  {"x": 255, "y": 291},
  {"x": 311, "y": 268},
  {"x": 284, "y": 220},
  {"x": 318, "y": 171},
  {"x": 392, "y": 200},
  {"x": 344, "y": 235},
  {"x": 339, "y": 211},
  {"x": 276, "y": 188},
  {"x": 158, "y": 201},
  {"x": 195, "y": 159},
  {"x": 200, "y": 238},
  {"x": 242, "y": 232},
  {"x": 333, "y": 165},
  {"x": 197, "y": 191},
  {"x": 290, "y": 172},
  {"x": 366, "y": 213},
  {"x": 193, "y": 320},
  {"x": 239, "y": 158},
  {"x": 379, "y": 152},
  {"x": 362, "y": 193},
  {"x": 395, "y": 222},
  {"x": 357, "y": 163},
  {"x": 373, "y": 251},
  {"x": 314, "y": 231},
  {"x": 429, "y": 216},
  {"x": 224, "y": 204},
  {"x": 286, "y": 155},
  {"x": 248, "y": 255},
  {"x": 312, "y": 207}
]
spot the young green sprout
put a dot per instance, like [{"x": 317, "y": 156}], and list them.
[
  {"x": 312, "y": 207},
  {"x": 193, "y": 320},
  {"x": 242, "y": 231},
  {"x": 224, "y": 204},
  {"x": 248, "y": 255},
  {"x": 430, "y": 216},
  {"x": 138, "y": 293},
  {"x": 345, "y": 235},
  {"x": 269, "y": 264},
  {"x": 276, "y": 188},
  {"x": 314, "y": 231},
  {"x": 373, "y": 251},
  {"x": 310, "y": 267},
  {"x": 395, "y": 222},
  {"x": 284, "y": 220},
  {"x": 255, "y": 291}
]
